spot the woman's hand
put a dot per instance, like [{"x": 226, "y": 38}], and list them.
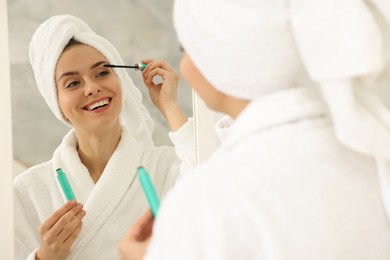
[
  {"x": 134, "y": 245},
  {"x": 164, "y": 94},
  {"x": 60, "y": 230}
]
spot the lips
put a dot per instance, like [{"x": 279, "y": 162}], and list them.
[{"x": 96, "y": 104}]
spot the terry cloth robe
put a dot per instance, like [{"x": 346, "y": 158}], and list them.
[
  {"x": 111, "y": 205},
  {"x": 280, "y": 187}
]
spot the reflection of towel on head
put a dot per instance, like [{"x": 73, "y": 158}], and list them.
[
  {"x": 46, "y": 46},
  {"x": 342, "y": 44}
]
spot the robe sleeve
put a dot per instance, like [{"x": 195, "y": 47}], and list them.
[
  {"x": 22, "y": 252},
  {"x": 184, "y": 142},
  {"x": 26, "y": 236}
]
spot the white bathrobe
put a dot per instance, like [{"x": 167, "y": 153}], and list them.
[
  {"x": 111, "y": 205},
  {"x": 280, "y": 187}
]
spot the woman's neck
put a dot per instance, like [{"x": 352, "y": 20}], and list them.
[{"x": 96, "y": 148}]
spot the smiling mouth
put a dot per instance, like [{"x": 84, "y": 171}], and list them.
[{"x": 96, "y": 105}]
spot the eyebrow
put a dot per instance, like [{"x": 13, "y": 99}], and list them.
[{"x": 69, "y": 73}]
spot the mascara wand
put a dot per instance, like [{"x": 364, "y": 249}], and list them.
[{"x": 137, "y": 66}]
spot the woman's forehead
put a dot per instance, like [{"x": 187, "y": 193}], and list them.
[
  {"x": 82, "y": 51},
  {"x": 78, "y": 57}
]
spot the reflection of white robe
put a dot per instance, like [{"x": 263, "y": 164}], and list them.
[
  {"x": 280, "y": 187},
  {"x": 111, "y": 204}
]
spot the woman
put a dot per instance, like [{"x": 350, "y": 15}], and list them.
[
  {"x": 300, "y": 175},
  {"x": 109, "y": 139}
]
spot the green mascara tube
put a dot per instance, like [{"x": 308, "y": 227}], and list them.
[
  {"x": 66, "y": 189},
  {"x": 149, "y": 190},
  {"x": 141, "y": 66}
]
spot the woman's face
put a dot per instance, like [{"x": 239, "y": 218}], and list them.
[
  {"x": 212, "y": 97},
  {"x": 89, "y": 94}
]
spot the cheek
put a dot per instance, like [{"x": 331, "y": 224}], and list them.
[
  {"x": 202, "y": 87},
  {"x": 64, "y": 107},
  {"x": 187, "y": 68},
  {"x": 190, "y": 72},
  {"x": 115, "y": 87},
  {"x": 67, "y": 101},
  {"x": 194, "y": 77},
  {"x": 61, "y": 100}
]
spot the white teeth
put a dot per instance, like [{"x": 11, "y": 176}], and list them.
[{"x": 98, "y": 104}]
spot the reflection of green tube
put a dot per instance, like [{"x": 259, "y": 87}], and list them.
[
  {"x": 68, "y": 192},
  {"x": 149, "y": 190}
]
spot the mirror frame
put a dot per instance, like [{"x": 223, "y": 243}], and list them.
[
  {"x": 205, "y": 136},
  {"x": 6, "y": 168}
]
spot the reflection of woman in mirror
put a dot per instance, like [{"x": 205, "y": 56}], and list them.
[
  {"x": 304, "y": 172},
  {"x": 109, "y": 139}
]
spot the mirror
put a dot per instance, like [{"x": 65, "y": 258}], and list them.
[{"x": 138, "y": 29}]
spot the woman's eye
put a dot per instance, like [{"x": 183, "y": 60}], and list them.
[
  {"x": 72, "y": 84},
  {"x": 103, "y": 73}
]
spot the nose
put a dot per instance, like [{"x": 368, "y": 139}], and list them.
[{"x": 91, "y": 88}]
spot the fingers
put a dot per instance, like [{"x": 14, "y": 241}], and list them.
[
  {"x": 153, "y": 64},
  {"x": 50, "y": 222},
  {"x": 137, "y": 239},
  {"x": 60, "y": 230},
  {"x": 164, "y": 74},
  {"x": 147, "y": 226},
  {"x": 72, "y": 237},
  {"x": 130, "y": 250},
  {"x": 66, "y": 219},
  {"x": 163, "y": 93},
  {"x": 141, "y": 228},
  {"x": 147, "y": 231},
  {"x": 71, "y": 227}
]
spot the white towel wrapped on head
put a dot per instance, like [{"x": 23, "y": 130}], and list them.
[{"x": 340, "y": 44}]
